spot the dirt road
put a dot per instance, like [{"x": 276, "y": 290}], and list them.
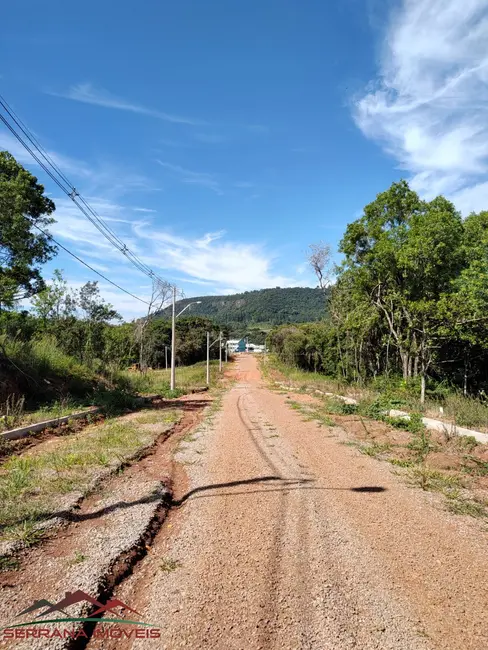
[{"x": 286, "y": 538}]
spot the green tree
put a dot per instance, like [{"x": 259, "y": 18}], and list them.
[
  {"x": 403, "y": 253},
  {"x": 97, "y": 313},
  {"x": 23, "y": 205},
  {"x": 55, "y": 301}
]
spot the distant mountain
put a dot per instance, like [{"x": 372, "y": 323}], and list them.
[{"x": 257, "y": 309}]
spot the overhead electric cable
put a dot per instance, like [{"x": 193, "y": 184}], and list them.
[
  {"x": 49, "y": 236},
  {"x": 51, "y": 168}
]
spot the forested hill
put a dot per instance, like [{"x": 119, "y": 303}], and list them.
[{"x": 263, "y": 307}]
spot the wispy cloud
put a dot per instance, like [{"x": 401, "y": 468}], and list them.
[
  {"x": 204, "y": 179},
  {"x": 68, "y": 165},
  {"x": 110, "y": 180},
  {"x": 428, "y": 107},
  {"x": 212, "y": 259},
  {"x": 89, "y": 94},
  {"x": 209, "y": 258}
]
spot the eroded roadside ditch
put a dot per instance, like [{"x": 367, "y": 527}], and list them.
[{"x": 103, "y": 539}]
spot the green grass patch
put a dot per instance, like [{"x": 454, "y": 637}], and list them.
[
  {"x": 435, "y": 480},
  {"x": 78, "y": 558},
  {"x": 466, "y": 411},
  {"x": 158, "y": 381},
  {"x": 9, "y": 563},
  {"x": 159, "y": 416},
  {"x": 375, "y": 449},
  {"x": 31, "y": 485},
  {"x": 470, "y": 507},
  {"x": 475, "y": 466},
  {"x": 401, "y": 462},
  {"x": 312, "y": 413}
]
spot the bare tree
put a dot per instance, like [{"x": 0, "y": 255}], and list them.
[
  {"x": 319, "y": 259},
  {"x": 161, "y": 292}
]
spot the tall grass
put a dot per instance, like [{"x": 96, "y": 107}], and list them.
[
  {"x": 39, "y": 381},
  {"x": 391, "y": 393}
]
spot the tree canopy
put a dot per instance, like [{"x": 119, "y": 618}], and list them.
[
  {"x": 411, "y": 295},
  {"x": 23, "y": 206}
]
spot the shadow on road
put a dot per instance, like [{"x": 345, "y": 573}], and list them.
[{"x": 285, "y": 484}]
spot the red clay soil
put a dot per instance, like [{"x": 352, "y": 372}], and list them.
[{"x": 284, "y": 538}]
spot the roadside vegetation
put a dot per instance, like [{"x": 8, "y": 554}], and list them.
[
  {"x": 43, "y": 483},
  {"x": 444, "y": 462},
  {"x": 385, "y": 394},
  {"x": 407, "y": 316},
  {"x": 71, "y": 349}
]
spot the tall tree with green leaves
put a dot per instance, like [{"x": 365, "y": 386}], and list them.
[
  {"x": 96, "y": 313},
  {"x": 23, "y": 205},
  {"x": 403, "y": 253},
  {"x": 55, "y": 301}
]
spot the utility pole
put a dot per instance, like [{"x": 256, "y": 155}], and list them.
[
  {"x": 208, "y": 358},
  {"x": 173, "y": 341},
  {"x": 166, "y": 356},
  {"x": 220, "y": 351}
]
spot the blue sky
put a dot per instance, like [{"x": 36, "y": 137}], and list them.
[{"x": 220, "y": 137}]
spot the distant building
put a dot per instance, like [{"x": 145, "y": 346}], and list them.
[
  {"x": 236, "y": 345},
  {"x": 242, "y": 345}
]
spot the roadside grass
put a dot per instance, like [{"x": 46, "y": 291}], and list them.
[
  {"x": 114, "y": 395},
  {"x": 78, "y": 558},
  {"x": 9, "y": 563},
  {"x": 410, "y": 458},
  {"x": 14, "y": 414},
  {"x": 188, "y": 378},
  {"x": 466, "y": 411},
  {"x": 32, "y": 486},
  {"x": 157, "y": 417},
  {"x": 387, "y": 393},
  {"x": 434, "y": 480},
  {"x": 470, "y": 507},
  {"x": 474, "y": 466},
  {"x": 312, "y": 413},
  {"x": 375, "y": 449}
]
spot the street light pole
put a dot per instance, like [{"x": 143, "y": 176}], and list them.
[
  {"x": 220, "y": 351},
  {"x": 208, "y": 358},
  {"x": 173, "y": 337}
]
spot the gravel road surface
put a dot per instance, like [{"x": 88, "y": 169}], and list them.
[{"x": 286, "y": 538}]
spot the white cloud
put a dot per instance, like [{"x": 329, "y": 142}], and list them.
[
  {"x": 107, "y": 179},
  {"x": 428, "y": 107},
  {"x": 89, "y": 94},
  {"x": 211, "y": 258}
]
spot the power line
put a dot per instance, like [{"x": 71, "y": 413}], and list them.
[
  {"x": 51, "y": 168},
  {"x": 49, "y": 236}
]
